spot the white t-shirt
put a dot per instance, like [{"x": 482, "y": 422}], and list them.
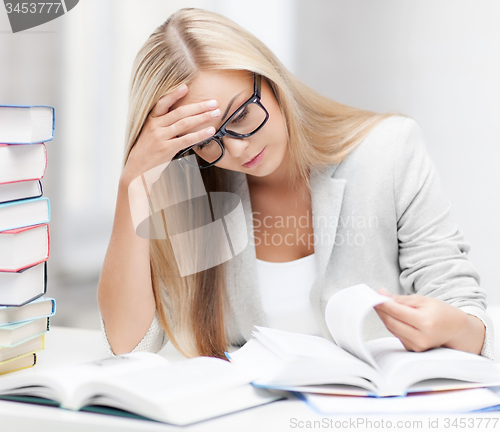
[{"x": 284, "y": 288}]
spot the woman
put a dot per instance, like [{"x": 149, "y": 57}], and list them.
[{"x": 332, "y": 195}]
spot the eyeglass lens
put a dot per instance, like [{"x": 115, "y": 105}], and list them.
[{"x": 245, "y": 121}]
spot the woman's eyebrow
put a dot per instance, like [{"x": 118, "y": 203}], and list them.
[{"x": 229, "y": 106}]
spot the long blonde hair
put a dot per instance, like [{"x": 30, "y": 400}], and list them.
[{"x": 192, "y": 309}]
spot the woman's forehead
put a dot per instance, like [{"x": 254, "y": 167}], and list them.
[{"x": 219, "y": 85}]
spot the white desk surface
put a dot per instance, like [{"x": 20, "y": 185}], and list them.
[{"x": 70, "y": 346}]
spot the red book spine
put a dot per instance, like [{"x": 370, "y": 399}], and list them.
[{"x": 44, "y": 168}]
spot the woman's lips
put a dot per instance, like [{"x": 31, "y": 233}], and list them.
[{"x": 256, "y": 160}]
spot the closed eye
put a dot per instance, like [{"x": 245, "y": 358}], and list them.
[{"x": 241, "y": 117}]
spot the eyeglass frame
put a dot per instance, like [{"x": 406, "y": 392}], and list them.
[{"x": 221, "y": 132}]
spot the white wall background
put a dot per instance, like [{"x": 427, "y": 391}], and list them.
[{"x": 436, "y": 61}]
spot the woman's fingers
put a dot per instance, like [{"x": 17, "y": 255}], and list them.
[
  {"x": 420, "y": 322},
  {"x": 186, "y": 124},
  {"x": 384, "y": 292},
  {"x": 407, "y": 343},
  {"x": 398, "y": 328},
  {"x": 167, "y": 131},
  {"x": 208, "y": 108},
  {"x": 401, "y": 312},
  {"x": 165, "y": 102},
  {"x": 170, "y": 124},
  {"x": 413, "y": 300}
]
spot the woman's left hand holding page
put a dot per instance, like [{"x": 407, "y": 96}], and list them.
[{"x": 422, "y": 323}]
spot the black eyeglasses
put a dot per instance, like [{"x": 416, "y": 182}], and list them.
[{"x": 247, "y": 120}]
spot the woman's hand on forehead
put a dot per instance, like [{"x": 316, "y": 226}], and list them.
[{"x": 166, "y": 131}]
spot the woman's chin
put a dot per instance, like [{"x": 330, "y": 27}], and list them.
[
  {"x": 258, "y": 171},
  {"x": 261, "y": 171}
]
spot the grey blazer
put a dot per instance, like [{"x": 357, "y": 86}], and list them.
[{"x": 380, "y": 218}]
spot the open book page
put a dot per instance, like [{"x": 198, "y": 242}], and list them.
[
  {"x": 439, "y": 402},
  {"x": 344, "y": 315},
  {"x": 278, "y": 358},
  {"x": 161, "y": 393},
  {"x": 60, "y": 384},
  {"x": 201, "y": 406},
  {"x": 401, "y": 368},
  {"x": 177, "y": 381}
]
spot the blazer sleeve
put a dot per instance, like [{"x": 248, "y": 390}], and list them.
[
  {"x": 432, "y": 249},
  {"x": 153, "y": 341}
]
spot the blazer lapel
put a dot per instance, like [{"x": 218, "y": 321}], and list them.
[
  {"x": 327, "y": 195},
  {"x": 326, "y": 200}
]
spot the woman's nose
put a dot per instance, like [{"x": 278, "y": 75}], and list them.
[{"x": 234, "y": 146}]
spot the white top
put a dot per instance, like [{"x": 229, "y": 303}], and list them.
[{"x": 284, "y": 288}]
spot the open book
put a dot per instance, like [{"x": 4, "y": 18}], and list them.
[
  {"x": 143, "y": 385},
  {"x": 350, "y": 366}
]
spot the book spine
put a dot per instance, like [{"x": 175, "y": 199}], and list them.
[
  {"x": 34, "y": 106},
  {"x": 40, "y": 174},
  {"x": 38, "y": 295},
  {"x": 38, "y": 194},
  {"x": 44, "y": 220},
  {"x": 30, "y": 318}
]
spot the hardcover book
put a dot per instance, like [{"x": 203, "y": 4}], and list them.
[
  {"x": 17, "y": 363},
  {"x": 12, "y": 335},
  {"x": 23, "y": 124},
  {"x": 19, "y": 288},
  {"x": 20, "y": 190},
  {"x": 23, "y": 213},
  {"x": 41, "y": 307},
  {"x": 24, "y": 247},
  {"x": 22, "y": 162},
  {"x": 28, "y": 346}
]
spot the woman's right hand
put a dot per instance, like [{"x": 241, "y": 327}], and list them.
[{"x": 158, "y": 141}]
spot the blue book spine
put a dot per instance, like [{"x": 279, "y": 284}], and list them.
[{"x": 39, "y": 299}]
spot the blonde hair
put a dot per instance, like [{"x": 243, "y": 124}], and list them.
[{"x": 192, "y": 309}]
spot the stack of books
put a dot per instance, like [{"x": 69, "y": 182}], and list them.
[{"x": 24, "y": 234}]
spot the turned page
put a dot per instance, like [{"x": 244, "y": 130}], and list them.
[{"x": 344, "y": 315}]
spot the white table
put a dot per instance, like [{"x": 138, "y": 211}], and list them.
[{"x": 70, "y": 346}]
